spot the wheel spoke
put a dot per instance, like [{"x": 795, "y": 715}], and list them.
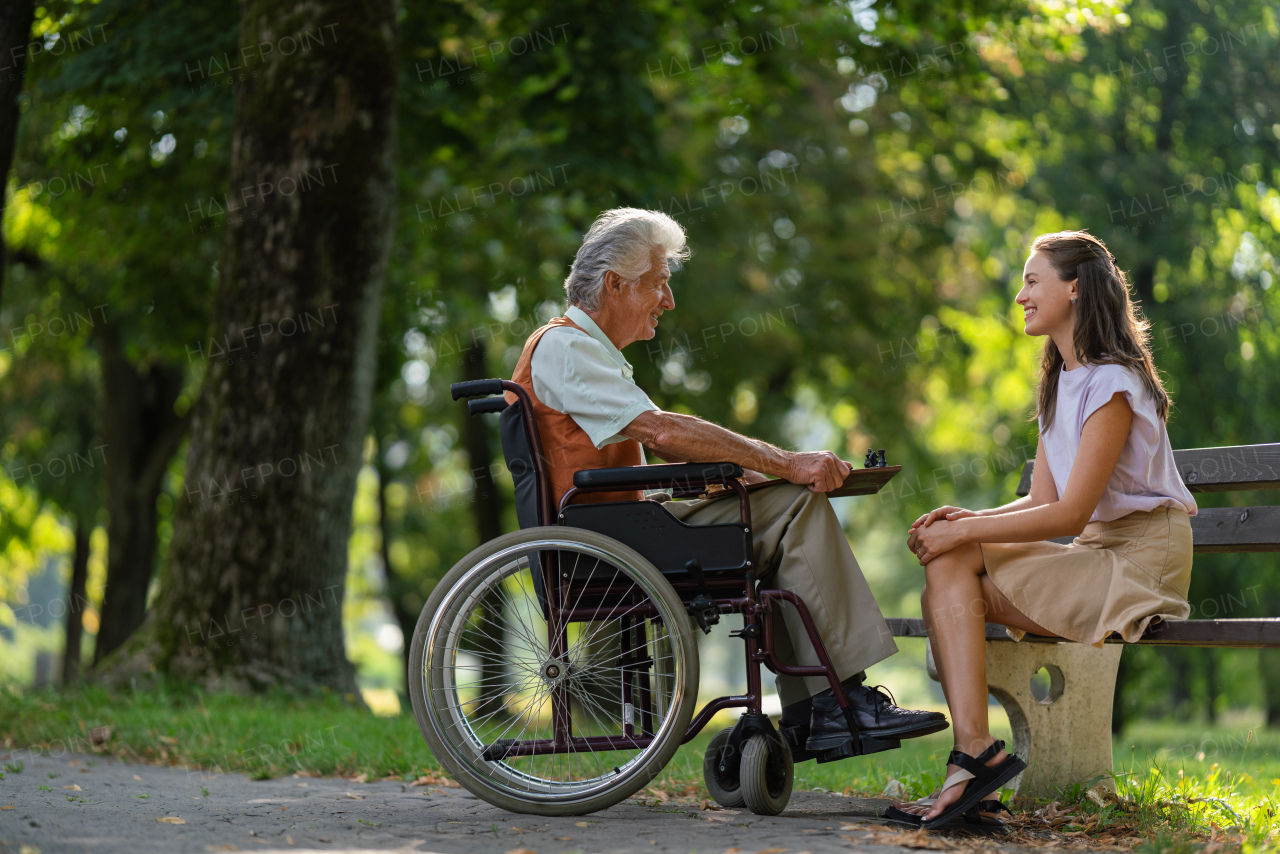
[{"x": 492, "y": 678}]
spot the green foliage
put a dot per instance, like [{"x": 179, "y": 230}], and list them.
[{"x": 859, "y": 183}]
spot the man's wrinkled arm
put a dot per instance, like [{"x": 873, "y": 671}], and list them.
[{"x": 686, "y": 438}]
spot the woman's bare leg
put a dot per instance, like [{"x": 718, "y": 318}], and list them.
[{"x": 959, "y": 598}]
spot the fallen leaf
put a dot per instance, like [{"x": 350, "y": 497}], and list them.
[
  {"x": 8, "y": 808},
  {"x": 168, "y": 739},
  {"x": 99, "y": 735},
  {"x": 321, "y": 839},
  {"x": 773, "y": 851},
  {"x": 136, "y": 777},
  {"x": 171, "y": 819},
  {"x": 435, "y": 780},
  {"x": 581, "y": 824},
  {"x": 521, "y": 851},
  {"x": 355, "y": 797},
  {"x": 73, "y": 788},
  {"x": 359, "y": 778}
]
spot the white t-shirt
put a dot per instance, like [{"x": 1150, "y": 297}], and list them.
[
  {"x": 584, "y": 375},
  {"x": 1146, "y": 476}
]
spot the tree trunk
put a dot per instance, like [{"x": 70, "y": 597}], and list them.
[
  {"x": 1117, "y": 698},
  {"x": 1179, "y": 684},
  {"x": 487, "y": 504},
  {"x": 1269, "y": 670},
  {"x": 15, "y": 34},
  {"x": 396, "y": 586},
  {"x": 1211, "y": 688},
  {"x": 253, "y": 587},
  {"x": 76, "y": 601},
  {"x": 142, "y": 435}
]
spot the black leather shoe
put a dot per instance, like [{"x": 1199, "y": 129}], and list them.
[{"x": 877, "y": 715}]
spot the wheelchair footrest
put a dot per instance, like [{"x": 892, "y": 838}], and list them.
[{"x": 796, "y": 737}]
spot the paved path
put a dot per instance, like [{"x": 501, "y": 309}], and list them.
[{"x": 91, "y": 804}]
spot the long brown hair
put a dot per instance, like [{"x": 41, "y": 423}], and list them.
[{"x": 1109, "y": 329}]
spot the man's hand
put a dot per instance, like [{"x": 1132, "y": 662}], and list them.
[{"x": 821, "y": 471}]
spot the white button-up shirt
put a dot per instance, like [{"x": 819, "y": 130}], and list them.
[{"x": 583, "y": 375}]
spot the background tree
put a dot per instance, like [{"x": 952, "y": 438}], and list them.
[{"x": 277, "y": 440}]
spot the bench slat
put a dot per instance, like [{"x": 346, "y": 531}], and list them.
[
  {"x": 1255, "y": 632},
  {"x": 1226, "y": 469},
  {"x": 1236, "y": 529}
]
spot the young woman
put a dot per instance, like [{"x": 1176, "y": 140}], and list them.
[{"x": 1104, "y": 473}]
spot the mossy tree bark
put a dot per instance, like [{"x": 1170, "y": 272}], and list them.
[{"x": 252, "y": 591}]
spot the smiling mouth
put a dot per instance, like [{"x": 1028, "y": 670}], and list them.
[{"x": 1029, "y": 313}]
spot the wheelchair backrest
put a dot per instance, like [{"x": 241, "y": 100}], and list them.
[{"x": 518, "y": 450}]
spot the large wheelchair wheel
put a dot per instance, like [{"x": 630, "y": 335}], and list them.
[{"x": 553, "y": 671}]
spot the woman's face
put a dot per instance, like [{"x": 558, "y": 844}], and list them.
[{"x": 1045, "y": 298}]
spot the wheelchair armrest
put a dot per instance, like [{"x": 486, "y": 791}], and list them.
[{"x": 679, "y": 476}]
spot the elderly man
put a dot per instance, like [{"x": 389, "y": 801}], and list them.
[{"x": 592, "y": 415}]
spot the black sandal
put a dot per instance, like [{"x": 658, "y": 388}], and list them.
[
  {"x": 982, "y": 779},
  {"x": 983, "y": 818}
]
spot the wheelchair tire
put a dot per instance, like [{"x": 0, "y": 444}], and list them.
[
  {"x": 766, "y": 774},
  {"x": 726, "y": 792},
  {"x": 494, "y": 704}
]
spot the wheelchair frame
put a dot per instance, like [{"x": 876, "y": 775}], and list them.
[{"x": 729, "y": 591}]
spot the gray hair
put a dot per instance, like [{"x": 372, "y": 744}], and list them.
[{"x": 622, "y": 240}]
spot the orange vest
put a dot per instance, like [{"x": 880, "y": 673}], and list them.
[{"x": 565, "y": 446}]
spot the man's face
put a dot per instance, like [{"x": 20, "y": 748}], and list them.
[{"x": 641, "y": 303}]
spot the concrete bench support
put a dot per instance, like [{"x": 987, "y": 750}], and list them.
[{"x": 1066, "y": 738}]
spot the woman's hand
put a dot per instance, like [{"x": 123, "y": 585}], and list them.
[
  {"x": 938, "y": 538},
  {"x": 945, "y": 512}
]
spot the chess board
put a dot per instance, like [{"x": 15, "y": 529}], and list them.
[{"x": 859, "y": 482}]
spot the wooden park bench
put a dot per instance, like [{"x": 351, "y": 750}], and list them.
[{"x": 1066, "y": 735}]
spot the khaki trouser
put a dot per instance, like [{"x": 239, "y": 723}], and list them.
[{"x": 800, "y": 546}]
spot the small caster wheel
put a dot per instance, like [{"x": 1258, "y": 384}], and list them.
[
  {"x": 723, "y": 785},
  {"x": 766, "y": 775}
]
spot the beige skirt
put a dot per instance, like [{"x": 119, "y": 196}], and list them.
[{"x": 1116, "y": 576}]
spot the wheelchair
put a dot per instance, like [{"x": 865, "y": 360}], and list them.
[{"x": 554, "y": 670}]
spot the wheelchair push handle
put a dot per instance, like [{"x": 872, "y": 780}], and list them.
[
  {"x": 488, "y": 404},
  {"x": 475, "y": 388}
]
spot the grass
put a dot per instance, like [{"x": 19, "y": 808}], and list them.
[{"x": 1179, "y": 786}]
